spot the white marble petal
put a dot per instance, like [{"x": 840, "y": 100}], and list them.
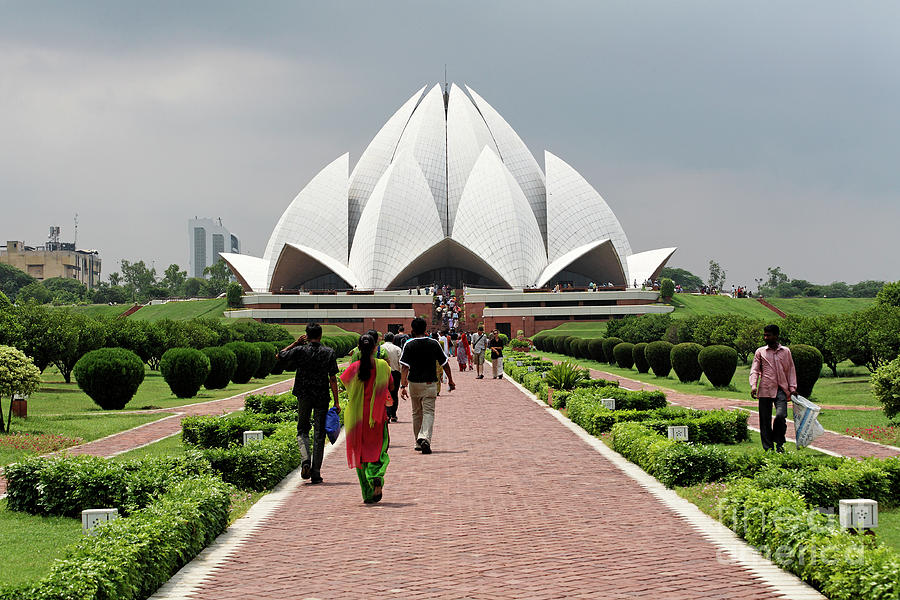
[
  {"x": 425, "y": 139},
  {"x": 517, "y": 158},
  {"x": 647, "y": 265},
  {"x": 467, "y": 135},
  {"x": 376, "y": 158},
  {"x": 597, "y": 260},
  {"x": 495, "y": 221},
  {"x": 251, "y": 271},
  {"x": 317, "y": 217},
  {"x": 297, "y": 263},
  {"x": 577, "y": 214},
  {"x": 398, "y": 224}
]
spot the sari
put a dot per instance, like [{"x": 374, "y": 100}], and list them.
[{"x": 365, "y": 425}]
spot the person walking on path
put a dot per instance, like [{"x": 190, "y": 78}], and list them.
[
  {"x": 417, "y": 381},
  {"x": 316, "y": 371},
  {"x": 379, "y": 350},
  {"x": 479, "y": 347},
  {"x": 496, "y": 346},
  {"x": 773, "y": 379},
  {"x": 393, "y": 360},
  {"x": 368, "y": 382},
  {"x": 462, "y": 351}
]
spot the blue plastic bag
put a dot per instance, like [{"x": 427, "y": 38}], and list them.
[{"x": 332, "y": 424}]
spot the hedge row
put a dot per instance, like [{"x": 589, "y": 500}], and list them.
[
  {"x": 258, "y": 466},
  {"x": 277, "y": 404},
  {"x": 799, "y": 539},
  {"x": 130, "y": 558},
  {"x": 209, "y": 431},
  {"x": 66, "y": 485}
]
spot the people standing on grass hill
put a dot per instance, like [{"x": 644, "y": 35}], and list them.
[
  {"x": 496, "y": 347},
  {"x": 479, "y": 347},
  {"x": 417, "y": 381},
  {"x": 773, "y": 379},
  {"x": 316, "y": 370},
  {"x": 368, "y": 382},
  {"x": 392, "y": 351}
]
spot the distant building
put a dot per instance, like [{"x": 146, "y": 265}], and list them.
[
  {"x": 207, "y": 238},
  {"x": 53, "y": 259}
]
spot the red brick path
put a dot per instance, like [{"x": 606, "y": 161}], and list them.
[
  {"x": 157, "y": 430},
  {"x": 510, "y": 505},
  {"x": 833, "y": 442}
]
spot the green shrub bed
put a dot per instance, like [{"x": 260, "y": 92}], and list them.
[
  {"x": 212, "y": 431},
  {"x": 66, "y": 485},
  {"x": 625, "y": 399},
  {"x": 282, "y": 404},
  {"x": 129, "y": 558}
]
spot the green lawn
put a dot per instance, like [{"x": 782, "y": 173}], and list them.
[
  {"x": 100, "y": 310},
  {"x": 297, "y": 329},
  {"x": 687, "y": 305},
  {"x": 582, "y": 330},
  {"x": 29, "y": 544},
  {"x": 811, "y": 307},
  {"x": 187, "y": 309}
]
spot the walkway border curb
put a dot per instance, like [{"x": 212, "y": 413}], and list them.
[
  {"x": 730, "y": 548},
  {"x": 189, "y": 578}
]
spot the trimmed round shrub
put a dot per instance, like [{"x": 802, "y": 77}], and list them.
[
  {"x": 572, "y": 346},
  {"x": 684, "y": 361},
  {"x": 608, "y": 345},
  {"x": 267, "y": 359},
  {"x": 719, "y": 364},
  {"x": 886, "y": 387},
  {"x": 110, "y": 376},
  {"x": 624, "y": 355},
  {"x": 222, "y": 363},
  {"x": 185, "y": 370},
  {"x": 666, "y": 287},
  {"x": 539, "y": 340},
  {"x": 659, "y": 357},
  {"x": 640, "y": 360},
  {"x": 584, "y": 350},
  {"x": 559, "y": 344},
  {"x": 278, "y": 367},
  {"x": 595, "y": 347},
  {"x": 247, "y": 360},
  {"x": 808, "y": 364}
]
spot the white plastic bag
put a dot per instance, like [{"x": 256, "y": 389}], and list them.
[{"x": 806, "y": 421}]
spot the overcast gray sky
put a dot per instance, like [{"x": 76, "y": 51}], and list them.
[{"x": 754, "y": 133}]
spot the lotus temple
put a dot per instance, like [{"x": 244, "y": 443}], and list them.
[{"x": 447, "y": 193}]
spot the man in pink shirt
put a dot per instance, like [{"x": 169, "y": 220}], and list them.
[{"x": 773, "y": 379}]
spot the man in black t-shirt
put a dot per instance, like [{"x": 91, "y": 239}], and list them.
[
  {"x": 417, "y": 373},
  {"x": 316, "y": 372}
]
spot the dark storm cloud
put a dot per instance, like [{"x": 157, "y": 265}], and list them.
[{"x": 716, "y": 127}]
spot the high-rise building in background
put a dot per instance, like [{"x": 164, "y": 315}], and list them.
[{"x": 207, "y": 238}]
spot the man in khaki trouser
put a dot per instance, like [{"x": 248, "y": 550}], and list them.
[{"x": 418, "y": 381}]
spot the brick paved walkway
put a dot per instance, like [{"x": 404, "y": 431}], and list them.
[
  {"x": 157, "y": 430},
  {"x": 832, "y": 442},
  {"x": 510, "y": 505}
]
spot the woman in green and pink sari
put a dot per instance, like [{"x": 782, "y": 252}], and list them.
[{"x": 368, "y": 382}]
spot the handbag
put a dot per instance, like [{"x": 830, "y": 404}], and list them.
[{"x": 332, "y": 424}]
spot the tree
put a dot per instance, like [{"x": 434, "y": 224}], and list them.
[
  {"x": 194, "y": 287},
  {"x": 716, "y": 275},
  {"x": 18, "y": 375},
  {"x": 874, "y": 335},
  {"x": 138, "y": 279},
  {"x": 218, "y": 275},
  {"x": 889, "y": 295},
  {"x": 11, "y": 328},
  {"x": 173, "y": 280},
  {"x": 233, "y": 294},
  {"x": 65, "y": 288},
  {"x": 106, "y": 294},
  {"x": 682, "y": 277},
  {"x": 34, "y": 292},
  {"x": 76, "y": 336},
  {"x": 115, "y": 278},
  {"x": 12, "y": 280},
  {"x": 775, "y": 277}
]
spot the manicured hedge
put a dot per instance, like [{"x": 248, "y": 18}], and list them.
[
  {"x": 267, "y": 359},
  {"x": 640, "y": 359},
  {"x": 247, "y": 356},
  {"x": 185, "y": 370},
  {"x": 608, "y": 345},
  {"x": 596, "y": 349},
  {"x": 719, "y": 364},
  {"x": 268, "y": 404},
  {"x": 659, "y": 356},
  {"x": 110, "y": 376},
  {"x": 66, "y": 485},
  {"x": 212, "y": 431},
  {"x": 624, "y": 355},
  {"x": 685, "y": 362},
  {"x": 259, "y": 466},
  {"x": 222, "y": 363},
  {"x": 625, "y": 399},
  {"x": 808, "y": 364},
  {"x": 129, "y": 558}
]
